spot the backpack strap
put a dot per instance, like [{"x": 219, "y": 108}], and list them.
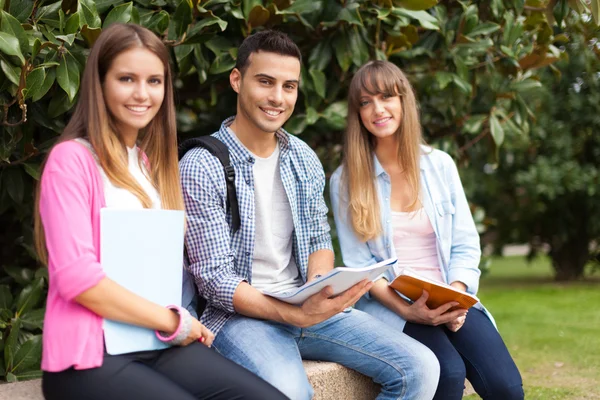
[{"x": 219, "y": 150}]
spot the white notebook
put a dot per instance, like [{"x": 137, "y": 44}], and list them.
[
  {"x": 141, "y": 250},
  {"x": 339, "y": 278}
]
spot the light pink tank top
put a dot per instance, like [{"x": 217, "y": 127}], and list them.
[{"x": 415, "y": 243}]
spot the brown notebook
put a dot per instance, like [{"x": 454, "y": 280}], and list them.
[{"x": 412, "y": 285}]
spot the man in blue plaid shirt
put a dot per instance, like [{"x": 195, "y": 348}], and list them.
[{"x": 282, "y": 243}]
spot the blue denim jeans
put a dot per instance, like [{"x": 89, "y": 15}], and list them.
[
  {"x": 403, "y": 367},
  {"x": 476, "y": 352}
]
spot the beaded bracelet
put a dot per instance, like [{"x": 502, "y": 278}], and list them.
[{"x": 183, "y": 329}]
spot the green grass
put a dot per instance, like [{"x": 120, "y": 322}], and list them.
[{"x": 551, "y": 329}]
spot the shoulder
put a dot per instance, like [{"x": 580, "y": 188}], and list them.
[
  {"x": 69, "y": 155},
  {"x": 199, "y": 159},
  {"x": 438, "y": 159},
  {"x": 336, "y": 178}
]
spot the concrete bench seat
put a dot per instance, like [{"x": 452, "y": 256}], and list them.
[{"x": 331, "y": 382}]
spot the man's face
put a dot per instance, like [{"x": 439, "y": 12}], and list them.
[{"x": 267, "y": 91}]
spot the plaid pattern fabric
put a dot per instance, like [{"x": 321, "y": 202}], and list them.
[{"x": 218, "y": 259}]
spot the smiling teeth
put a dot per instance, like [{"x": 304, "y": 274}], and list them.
[
  {"x": 137, "y": 108},
  {"x": 273, "y": 113},
  {"x": 379, "y": 121}
]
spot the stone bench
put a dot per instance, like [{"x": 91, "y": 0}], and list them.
[{"x": 331, "y": 382}]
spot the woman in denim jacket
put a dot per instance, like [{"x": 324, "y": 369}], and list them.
[{"x": 395, "y": 197}]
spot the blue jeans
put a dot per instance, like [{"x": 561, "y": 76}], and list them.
[
  {"x": 476, "y": 352},
  {"x": 403, "y": 367}
]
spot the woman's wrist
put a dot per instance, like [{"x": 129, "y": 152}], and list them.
[{"x": 181, "y": 331}]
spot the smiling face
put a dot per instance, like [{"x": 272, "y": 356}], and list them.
[
  {"x": 380, "y": 113},
  {"x": 267, "y": 91},
  {"x": 134, "y": 90}
]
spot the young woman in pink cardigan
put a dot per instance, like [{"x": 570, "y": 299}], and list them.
[{"x": 119, "y": 150}]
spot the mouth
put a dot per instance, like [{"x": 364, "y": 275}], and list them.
[
  {"x": 271, "y": 112},
  {"x": 381, "y": 121},
  {"x": 138, "y": 109}
]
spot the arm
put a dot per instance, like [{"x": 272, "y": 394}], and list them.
[
  {"x": 74, "y": 269},
  {"x": 465, "y": 251}
]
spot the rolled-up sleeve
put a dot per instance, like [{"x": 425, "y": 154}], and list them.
[
  {"x": 207, "y": 240},
  {"x": 66, "y": 215}
]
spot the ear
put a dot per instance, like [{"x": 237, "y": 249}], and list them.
[{"x": 235, "y": 79}]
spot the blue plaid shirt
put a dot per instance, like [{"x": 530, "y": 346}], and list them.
[{"x": 220, "y": 260}]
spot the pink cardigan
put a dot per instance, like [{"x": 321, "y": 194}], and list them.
[{"x": 70, "y": 201}]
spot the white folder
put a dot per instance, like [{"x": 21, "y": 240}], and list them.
[{"x": 141, "y": 250}]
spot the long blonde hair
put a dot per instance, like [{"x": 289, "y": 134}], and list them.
[
  {"x": 378, "y": 77},
  {"x": 92, "y": 120}
]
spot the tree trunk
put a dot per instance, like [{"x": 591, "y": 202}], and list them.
[{"x": 569, "y": 259}]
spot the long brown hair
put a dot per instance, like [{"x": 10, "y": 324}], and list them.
[
  {"x": 378, "y": 77},
  {"x": 92, "y": 120}
]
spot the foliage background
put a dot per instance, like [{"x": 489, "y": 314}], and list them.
[{"x": 474, "y": 64}]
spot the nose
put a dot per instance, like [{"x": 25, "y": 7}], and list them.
[
  {"x": 377, "y": 107},
  {"x": 276, "y": 96},
  {"x": 141, "y": 91}
]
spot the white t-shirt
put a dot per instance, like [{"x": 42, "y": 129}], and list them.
[
  {"x": 116, "y": 197},
  {"x": 273, "y": 266}
]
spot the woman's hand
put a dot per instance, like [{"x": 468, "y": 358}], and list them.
[
  {"x": 455, "y": 325},
  {"x": 419, "y": 313},
  {"x": 199, "y": 333}
]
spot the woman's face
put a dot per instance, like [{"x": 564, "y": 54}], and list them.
[
  {"x": 134, "y": 89},
  {"x": 380, "y": 113}
]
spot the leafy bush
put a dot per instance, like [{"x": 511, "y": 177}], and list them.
[{"x": 470, "y": 61}]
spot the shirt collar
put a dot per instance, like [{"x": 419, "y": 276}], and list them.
[{"x": 423, "y": 161}]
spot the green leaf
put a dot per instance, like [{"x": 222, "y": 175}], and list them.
[
  {"x": 88, "y": 15},
  {"x": 525, "y": 85},
  {"x": 102, "y": 6},
  {"x": 12, "y": 182},
  {"x": 311, "y": 116},
  {"x": 59, "y": 104},
  {"x": 342, "y": 51},
  {"x": 360, "y": 51},
  {"x": 596, "y": 11},
  {"x": 49, "y": 79},
  {"x": 302, "y": 7},
  {"x": 12, "y": 26},
  {"x": 29, "y": 355},
  {"x": 33, "y": 319},
  {"x": 120, "y": 14},
  {"x": 67, "y": 75},
  {"x": 12, "y": 72},
  {"x": 426, "y": 20},
  {"x": 68, "y": 39},
  {"x": 335, "y": 115},
  {"x": 198, "y": 29},
  {"x": 10, "y": 45},
  {"x": 443, "y": 78},
  {"x": 415, "y": 5},
  {"x": 6, "y": 298},
  {"x": 182, "y": 18},
  {"x": 496, "y": 130},
  {"x": 30, "y": 296},
  {"x": 72, "y": 24},
  {"x": 11, "y": 346},
  {"x": 258, "y": 16},
  {"x": 320, "y": 56},
  {"x": 463, "y": 85},
  {"x": 224, "y": 63},
  {"x": 21, "y": 9},
  {"x": 11, "y": 378},
  {"x": 351, "y": 14},
  {"x": 48, "y": 15},
  {"x": 90, "y": 34},
  {"x": 296, "y": 124},
  {"x": 158, "y": 23},
  {"x": 320, "y": 82},
  {"x": 485, "y": 28},
  {"x": 23, "y": 276},
  {"x": 34, "y": 81},
  {"x": 474, "y": 124}
]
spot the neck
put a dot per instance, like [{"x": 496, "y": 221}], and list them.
[
  {"x": 129, "y": 137},
  {"x": 386, "y": 150},
  {"x": 261, "y": 144}
]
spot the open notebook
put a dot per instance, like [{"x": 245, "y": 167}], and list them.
[{"x": 141, "y": 250}]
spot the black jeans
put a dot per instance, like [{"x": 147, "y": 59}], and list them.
[
  {"x": 186, "y": 373},
  {"x": 476, "y": 352}
]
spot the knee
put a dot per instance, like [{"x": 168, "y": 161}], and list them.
[
  {"x": 422, "y": 379},
  {"x": 452, "y": 373},
  {"x": 505, "y": 391}
]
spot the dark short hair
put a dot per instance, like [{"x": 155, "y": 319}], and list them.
[{"x": 268, "y": 41}]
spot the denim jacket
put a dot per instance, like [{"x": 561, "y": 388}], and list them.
[{"x": 445, "y": 204}]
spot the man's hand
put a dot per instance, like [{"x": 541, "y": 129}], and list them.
[
  {"x": 322, "y": 306},
  {"x": 419, "y": 313}
]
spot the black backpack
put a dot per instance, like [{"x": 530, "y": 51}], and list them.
[{"x": 219, "y": 150}]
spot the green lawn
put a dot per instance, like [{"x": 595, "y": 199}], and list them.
[{"x": 551, "y": 329}]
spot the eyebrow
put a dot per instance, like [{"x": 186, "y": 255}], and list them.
[
  {"x": 134, "y": 74},
  {"x": 274, "y": 79}
]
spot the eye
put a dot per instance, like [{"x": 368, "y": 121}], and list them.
[
  {"x": 126, "y": 79},
  {"x": 155, "y": 81},
  {"x": 387, "y": 96},
  {"x": 290, "y": 87},
  {"x": 363, "y": 103},
  {"x": 265, "y": 81}
]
